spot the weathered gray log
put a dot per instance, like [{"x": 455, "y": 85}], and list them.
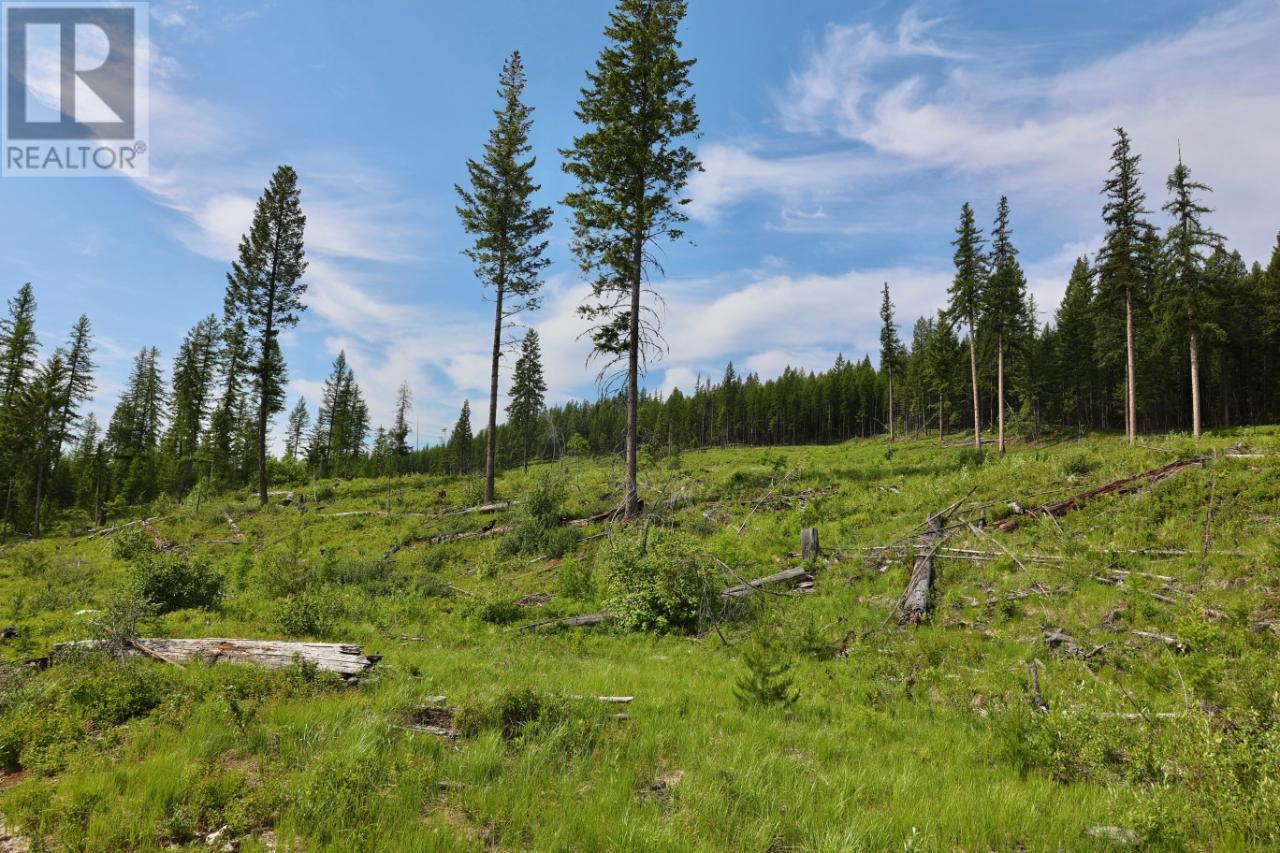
[
  {"x": 1172, "y": 643},
  {"x": 809, "y": 548},
  {"x": 795, "y": 575},
  {"x": 341, "y": 658},
  {"x": 585, "y": 621},
  {"x": 915, "y": 601}
]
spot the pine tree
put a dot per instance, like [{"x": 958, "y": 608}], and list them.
[
  {"x": 1003, "y": 301},
  {"x": 298, "y": 420},
  {"x": 42, "y": 402},
  {"x": 499, "y": 210},
  {"x": 265, "y": 289},
  {"x": 342, "y": 424},
  {"x": 399, "y": 435},
  {"x": 194, "y": 377},
  {"x": 460, "y": 440},
  {"x": 966, "y": 295},
  {"x": 631, "y": 170},
  {"x": 1073, "y": 350},
  {"x": 18, "y": 349},
  {"x": 223, "y": 424},
  {"x": 1120, "y": 261},
  {"x": 890, "y": 347},
  {"x": 1185, "y": 249},
  {"x": 528, "y": 392},
  {"x": 79, "y": 386}
]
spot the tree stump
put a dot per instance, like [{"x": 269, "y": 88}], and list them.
[{"x": 809, "y": 548}]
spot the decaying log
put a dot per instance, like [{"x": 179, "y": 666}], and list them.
[
  {"x": 809, "y": 547},
  {"x": 482, "y": 508},
  {"x": 915, "y": 601},
  {"x": 1059, "y": 640},
  {"x": 236, "y": 533},
  {"x": 796, "y": 575},
  {"x": 585, "y": 621},
  {"x": 341, "y": 658},
  {"x": 1125, "y": 486},
  {"x": 1172, "y": 643},
  {"x": 1037, "y": 699}
]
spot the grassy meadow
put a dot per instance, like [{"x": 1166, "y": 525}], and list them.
[{"x": 917, "y": 738}]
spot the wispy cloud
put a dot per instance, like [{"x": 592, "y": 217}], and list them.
[{"x": 909, "y": 104}]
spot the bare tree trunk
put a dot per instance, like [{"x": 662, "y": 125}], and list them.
[
  {"x": 941, "y": 440},
  {"x": 631, "y": 505},
  {"x": 491, "y": 439},
  {"x": 35, "y": 528},
  {"x": 973, "y": 381},
  {"x": 1195, "y": 384},
  {"x": 1131, "y": 404},
  {"x": 1000, "y": 388}
]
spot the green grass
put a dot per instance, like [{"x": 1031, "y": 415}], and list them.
[{"x": 138, "y": 755}]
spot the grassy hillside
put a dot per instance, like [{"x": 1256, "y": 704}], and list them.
[{"x": 917, "y": 738}]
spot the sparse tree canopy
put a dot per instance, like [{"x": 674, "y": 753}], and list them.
[{"x": 631, "y": 166}]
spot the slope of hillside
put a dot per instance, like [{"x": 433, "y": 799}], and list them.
[{"x": 1105, "y": 677}]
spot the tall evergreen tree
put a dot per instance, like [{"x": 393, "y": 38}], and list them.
[
  {"x": 265, "y": 288},
  {"x": 528, "y": 393},
  {"x": 42, "y": 401},
  {"x": 460, "y": 440},
  {"x": 890, "y": 347},
  {"x": 499, "y": 211},
  {"x": 966, "y": 298},
  {"x": 1073, "y": 350},
  {"x": 297, "y": 427},
  {"x": 18, "y": 351},
  {"x": 194, "y": 378},
  {"x": 399, "y": 435},
  {"x": 79, "y": 386},
  {"x": 632, "y": 169},
  {"x": 225, "y": 421},
  {"x": 1186, "y": 250},
  {"x": 1003, "y": 301},
  {"x": 1120, "y": 262}
]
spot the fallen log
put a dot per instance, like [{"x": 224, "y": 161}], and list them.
[
  {"x": 1125, "y": 486},
  {"x": 1172, "y": 643},
  {"x": 341, "y": 658},
  {"x": 796, "y": 575},
  {"x": 569, "y": 622},
  {"x": 915, "y": 601},
  {"x": 236, "y": 533}
]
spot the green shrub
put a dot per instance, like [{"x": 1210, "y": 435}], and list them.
[
  {"x": 538, "y": 518},
  {"x": 971, "y": 457},
  {"x": 497, "y": 609},
  {"x": 130, "y": 543},
  {"x": 656, "y": 585},
  {"x": 173, "y": 582},
  {"x": 576, "y": 580},
  {"x": 1078, "y": 464},
  {"x": 310, "y": 613}
]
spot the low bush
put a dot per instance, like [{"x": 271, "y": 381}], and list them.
[
  {"x": 656, "y": 582},
  {"x": 130, "y": 543},
  {"x": 313, "y": 613},
  {"x": 173, "y": 582},
  {"x": 538, "y": 519}
]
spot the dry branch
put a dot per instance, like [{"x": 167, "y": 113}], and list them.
[{"x": 1125, "y": 486}]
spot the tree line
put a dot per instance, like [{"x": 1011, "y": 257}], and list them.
[{"x": 1162, "y": 329}]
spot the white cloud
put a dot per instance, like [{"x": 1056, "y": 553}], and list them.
[{"x": 989, "y": 119}]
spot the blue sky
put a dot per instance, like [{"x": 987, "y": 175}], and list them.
[{"x": 839, "y": 140}]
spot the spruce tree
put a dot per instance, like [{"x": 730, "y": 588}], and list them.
[
  {"x": 499, "y": 211},
  {"x": 1186, "y": 248},
  {"x": 42, "y": 402},
  {"x": 399, "y": 435},
  {"x": 223, "y": 424},
  {"x": 194, "y": 377},
  {"x": 1120, "y": 263},
  {"x": 79, "y": 386},
  {"x": 966, "y": 298},
  {"x": 632, "y": 169},
  {"x": 460, "y": 440},
  {"x": 1073, "y": 350},
  {"x": 890, "y": 347},
  {"x": 18, "y": 350},
  {"x": 265, "y": 289},
  {"x": 528, "y": 393},
  {"x": 298, "y": 420},
  {"x": 1003, "y": 301}
]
